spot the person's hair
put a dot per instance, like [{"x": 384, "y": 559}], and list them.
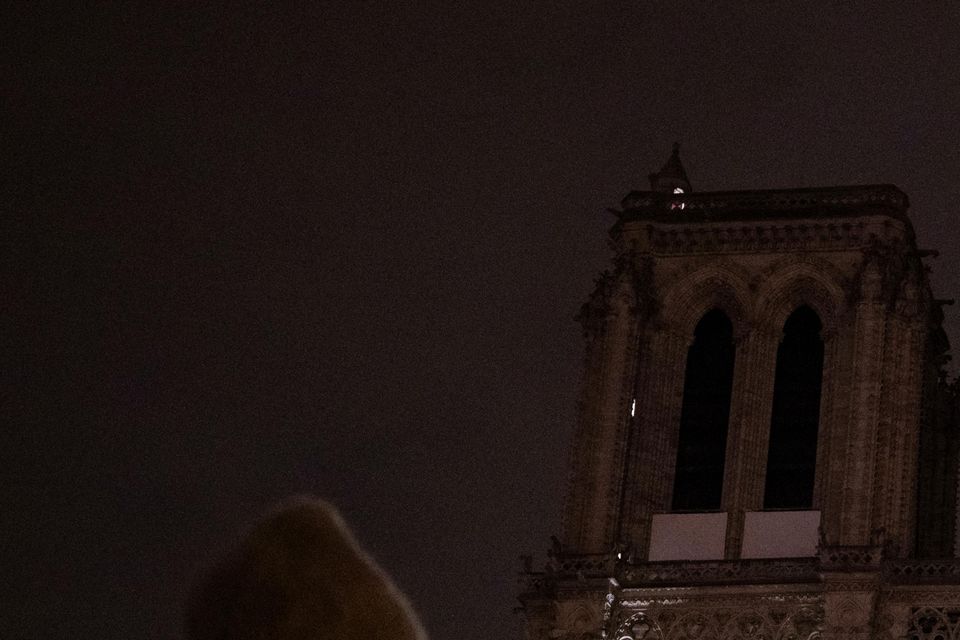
[{"x": 299, "y": 575}]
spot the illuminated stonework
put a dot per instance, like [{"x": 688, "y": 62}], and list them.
[{"x": 861, "y": 548}]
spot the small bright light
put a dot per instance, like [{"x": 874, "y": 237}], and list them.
[
  {"x": 619, "y": 556},
  {"x": 633, "y": 407},
  {"x": 677, "y": 190}
]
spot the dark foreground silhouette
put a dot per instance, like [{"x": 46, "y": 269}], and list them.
[{"x": 299, "y": 575}]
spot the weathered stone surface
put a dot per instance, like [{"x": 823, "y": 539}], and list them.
[{"x": 886, "y": 450}]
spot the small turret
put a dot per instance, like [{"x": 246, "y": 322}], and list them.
[{"x": 671, "y": 178}]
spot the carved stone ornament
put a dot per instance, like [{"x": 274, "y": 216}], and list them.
[
  {"x": 930, "y": 623},
  {"x": 638, "y": 627},
  {"x": 770, "y": 622}
]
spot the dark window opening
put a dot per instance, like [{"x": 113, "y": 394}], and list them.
[
  {"x": 698, "y": 482},
  {"x": 795, "y": 419}
]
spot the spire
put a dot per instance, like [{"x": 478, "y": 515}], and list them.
[{"x": 672, "y": 175}]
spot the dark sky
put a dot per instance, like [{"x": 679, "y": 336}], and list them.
[{"x": 251, "y": 251}]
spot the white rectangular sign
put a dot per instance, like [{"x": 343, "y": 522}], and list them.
[
  {"x": 688, "y": 536},
  {"x": 780, "y": 534}
]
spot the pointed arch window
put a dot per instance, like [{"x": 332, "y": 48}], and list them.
[
  {"x": 705, "y": 414},
  {"x": 795, "y": 419}
]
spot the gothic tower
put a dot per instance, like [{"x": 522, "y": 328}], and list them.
[{"x": 766, "y": 444}]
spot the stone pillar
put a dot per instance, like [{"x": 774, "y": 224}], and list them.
[
  {"x": 849, "y": 604},
  {"x": 597, "y": 458},
  {"x": 749, "y": 433},
  {"x": 835, "y": 430},
  {"x": 830, "y": 392},
  {"x": 893, "y": 619},
  {"x": 898, "y": 435},
  {"x": 851, "y": 589},
  {"x": 657, "y": 424},
  {"x": 861, "y": 446}
]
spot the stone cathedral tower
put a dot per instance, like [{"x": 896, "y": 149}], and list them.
[{"x": 766, "y": 445}]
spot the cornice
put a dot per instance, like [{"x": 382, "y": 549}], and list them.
[
  {"x": 720, "y": 205},
  {"x": 917, "y": 572},
  {"x": 855, "y": 567},
  {"x": 662, "y": 237},
  {"x": 719, "y": 572}
]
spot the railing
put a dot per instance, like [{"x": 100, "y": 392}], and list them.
[
  {"x": 945, "y": 571},
  {"x": 673, "y": 573},
  {"x": 769, "y": 200},
  {"x": 719, "y": 572},
  {"x": 600, "y": 567}
]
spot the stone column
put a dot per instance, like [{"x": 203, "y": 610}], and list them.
[
  {"x": 656, "y": 423},
  {"x": 830, "y": 391},
  {"x": 851, "y": 590},
  {"x": 834, "y": 437},
  {"x": 893, "y": 618},
  {"x": 861, "y": 450},
  {"x": 749, "y": 432},
  {"x": 598, "y": 454},
  {"x": 898, "y": 437},
  {"x": 849, "y": 604}
]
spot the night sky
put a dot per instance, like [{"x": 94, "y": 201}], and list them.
[{"x": 252, "y": 251}]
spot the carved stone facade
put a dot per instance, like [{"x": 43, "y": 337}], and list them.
[{"x": 870, "y": 555}]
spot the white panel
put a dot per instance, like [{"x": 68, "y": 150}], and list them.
[
  {"x": 780, "y": 534},
  {"x": 687, "y": 536}
]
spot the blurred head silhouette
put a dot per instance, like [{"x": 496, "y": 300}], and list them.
[{"x": 299, "y": 575}]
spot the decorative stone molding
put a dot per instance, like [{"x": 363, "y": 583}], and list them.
[
  {"x": 826, "y": 202},
  {"x": 639, "y": 626},
  {"x": 719, "y": 284},
  {"x": 719, "y": 572},
  {"x": 578, "y": 620},
  {"x": 797, "y": 282},
  {"x": 945, "y": 571},
  {"x": 850, "y": 558},
  {"x": 709, "y": 598},
  {"x": 942, "y": 596},
  {"x": 747, "y": 619},
  {"x": 757, "y": 238},
  {"x": 595, "y": 564},
  {"x": 934, "y": 623}
]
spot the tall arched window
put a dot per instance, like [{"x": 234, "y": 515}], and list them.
[
  {"x": 792, "y": 456},
  {"x": 698, "y": 482}
]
